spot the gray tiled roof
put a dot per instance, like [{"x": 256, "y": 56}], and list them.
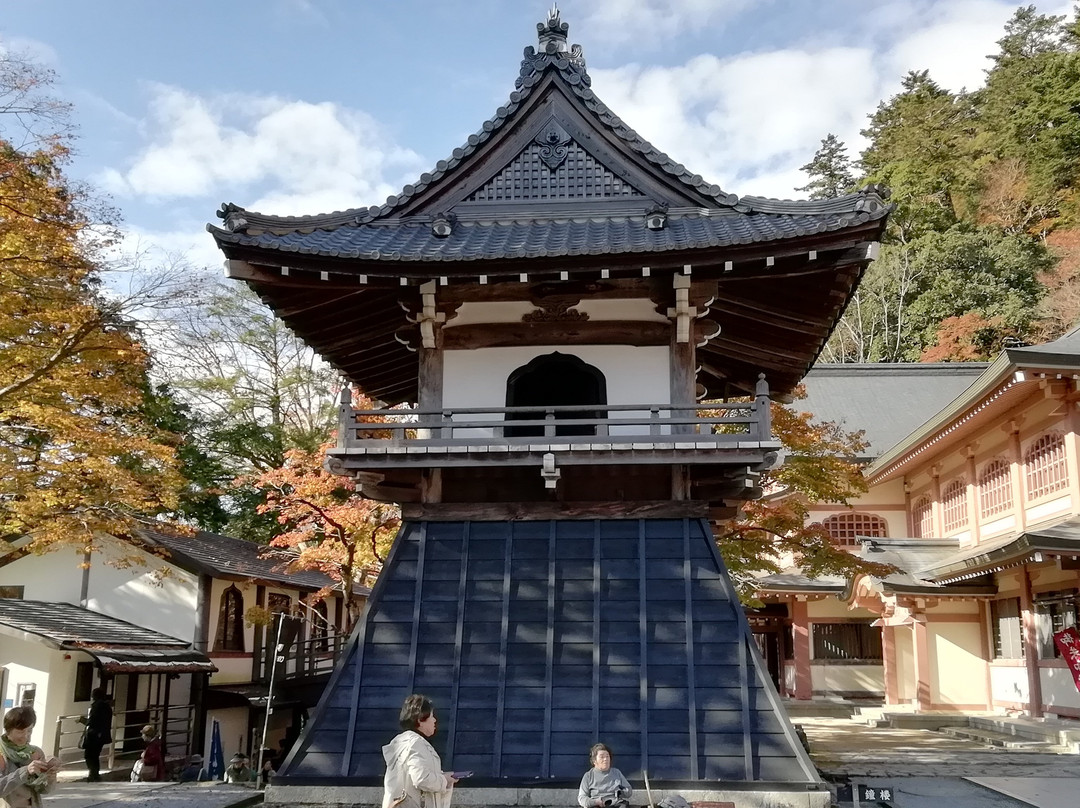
[
  {"x": 887, "y": 401},
  {"x": 533, "y": 237},
  {"x": 1065, "y": 350},
  {"x": 226, "y": 556},
  {"x": 69, "y": 625},
  {"x": 775, "y": 219}
]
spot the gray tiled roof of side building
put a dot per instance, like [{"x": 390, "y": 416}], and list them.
[
  {"x": 67, "y": 623},
  {"x": 224, "y": 555},
  {"x": 888, "y": 401}
]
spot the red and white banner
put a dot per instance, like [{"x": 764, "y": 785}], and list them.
[{"x": 1068, "y": 643}]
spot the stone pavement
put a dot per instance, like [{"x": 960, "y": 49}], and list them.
[
  {"x": 927, "y": 769},
  {"x": 151, "y": 795},
  {"x": 922, "y": 769}
]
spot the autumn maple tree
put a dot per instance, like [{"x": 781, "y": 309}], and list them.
[
  {"x": 772, "y": 532},
  {"x": 76, "y": 454},
  {"x": 328, "y": 524}
]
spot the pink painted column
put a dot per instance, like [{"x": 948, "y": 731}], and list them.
[
  {"x": 1031, "y": 647},
  {"x": 889, "y": 663},
  {"x": 800, "y": 627},
  {"x": 922, "y": 665}
]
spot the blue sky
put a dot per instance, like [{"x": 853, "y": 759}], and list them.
[{"x": 306, "y": 106}]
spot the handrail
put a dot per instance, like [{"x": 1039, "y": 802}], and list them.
[
  {"x": 176, "y": 733},
  {"x": 718, "y": 423}
]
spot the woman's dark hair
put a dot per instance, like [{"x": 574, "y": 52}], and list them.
[
  {"x": 98, "y": 693},
  {"x": 19, "y": 718},
  {"x": 596, "y": 749},
  {"x": 415, "y": 709}
]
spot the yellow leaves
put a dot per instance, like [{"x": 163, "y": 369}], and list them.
[{"x": 76, "y": 455}]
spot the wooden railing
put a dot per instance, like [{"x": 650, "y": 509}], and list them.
[
  {"x": 174, "y": 724},
  {"x": 707, "y": 425},
  {"x": 305, "y": 658}
]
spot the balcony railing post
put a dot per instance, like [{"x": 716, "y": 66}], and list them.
[
  {"x": 346, "y": 418},
  {"x": 549, "y": 424},
  {"x": 762, "y": 409}
]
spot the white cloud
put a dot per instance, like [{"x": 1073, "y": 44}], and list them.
[
  {"x": 619, "y": 21},
  {"x": 272, "y": 149},
  {"x": 747, "y": 122}
]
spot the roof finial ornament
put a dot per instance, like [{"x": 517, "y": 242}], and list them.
[{"x": 553, "y": 32}]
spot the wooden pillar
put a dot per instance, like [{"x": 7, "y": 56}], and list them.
[
  {"x": 972, "y": 496},
  {"x": 800, "y": 627},
  {"x": 258, "y": 634},
  {"x": 1016, "y": 468},
  {"x": 889, "y": 663},
  {"x": 1072, "y": 448},
  {"x": 921, "y": 648},
  {"x": 1031, "y": 645},
  {"x": 986, "y": 644},
  {"x": 935, "y": 505}
]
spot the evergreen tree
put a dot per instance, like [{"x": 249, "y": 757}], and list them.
[{"x": 831, "y": 173}]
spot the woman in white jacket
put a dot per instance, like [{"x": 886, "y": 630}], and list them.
[{"x": 414, "y": 775}]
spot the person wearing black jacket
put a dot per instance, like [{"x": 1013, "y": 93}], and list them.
[{"x": 98, "y": 731}]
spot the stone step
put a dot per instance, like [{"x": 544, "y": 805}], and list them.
[
  {"x": 998, "y": 739},
  {"x": 1047, "y": 730}
]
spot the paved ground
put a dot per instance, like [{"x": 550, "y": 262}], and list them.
[
  {"x": 151, "y": 795},
  {"x": 927, "y": 769},
  {"x": 922, "y": 769}
]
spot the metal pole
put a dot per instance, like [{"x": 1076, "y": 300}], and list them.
[{"x": 270, "y": 696}]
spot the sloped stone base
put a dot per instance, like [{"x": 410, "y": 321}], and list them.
[{"x": 371, "y": 797}]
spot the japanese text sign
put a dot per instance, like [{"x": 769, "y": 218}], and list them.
[{"x": 1068, "y": 643}]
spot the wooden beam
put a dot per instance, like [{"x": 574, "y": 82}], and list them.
[
  {"x": 535, "y": 511},
  {"x": 599, "y": 332}
]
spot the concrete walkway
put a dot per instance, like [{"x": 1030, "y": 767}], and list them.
[
  {"x": 152, "y": 795},
  {"x": 924, "y": 768}
]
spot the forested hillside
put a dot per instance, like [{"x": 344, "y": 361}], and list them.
[{"x": 983, "y": 248}]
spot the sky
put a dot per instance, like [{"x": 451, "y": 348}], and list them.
[{"x": 309, "y": 106}]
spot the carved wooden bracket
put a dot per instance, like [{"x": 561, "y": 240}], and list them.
[{"x": 555, "y": 310}]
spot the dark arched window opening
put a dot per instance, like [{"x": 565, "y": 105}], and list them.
[
  {"x": 230, "y": 627},
  {"x": 555, "y": 380}
]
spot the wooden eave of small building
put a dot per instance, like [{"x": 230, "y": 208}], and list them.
[
  {"x": 1016, "y": 374},
  {"x": 783, "y": 270}
]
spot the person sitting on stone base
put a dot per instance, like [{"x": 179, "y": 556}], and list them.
[{"x": 603, "y": 786}]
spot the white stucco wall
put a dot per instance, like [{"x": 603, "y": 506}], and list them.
[
  {"x": 1008, "y": 683},
  {"x": 140, "y": 588},
  {"x": 1058, "y": 688},
  {"x": 634, "y": 375},
  {"x": 55, "y": 576},
  {"x": 827, "y": 679},
  {"x": 27, "y": 663},
  {"x": 957, "y": 669}
]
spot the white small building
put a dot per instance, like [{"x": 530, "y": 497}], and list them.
[{"x": 202, "y": 652}]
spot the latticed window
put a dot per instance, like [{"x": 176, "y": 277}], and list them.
[
  {"x": 954, "y": 505},
  {"x": 844, "y": 527},
  {"x": 922, "y": 518},
  {"x": 1006, "y": 624},
  {"x": 995, "y": 488},
  {"x": 1045, "y": 463}
]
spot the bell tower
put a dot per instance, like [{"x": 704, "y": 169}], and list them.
[{"x": 585, "y": 338}]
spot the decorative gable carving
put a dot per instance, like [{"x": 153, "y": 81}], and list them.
[{"x": 553, "y": 166}]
